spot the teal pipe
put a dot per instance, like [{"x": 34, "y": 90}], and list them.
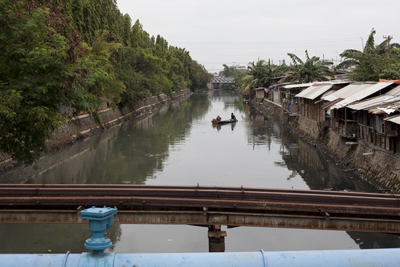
[{"x": 330, "y": 258}]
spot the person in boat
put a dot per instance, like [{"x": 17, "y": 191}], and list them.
[
  {"x": 218, "y": 118},
  {"x": 233, "y": 117}
]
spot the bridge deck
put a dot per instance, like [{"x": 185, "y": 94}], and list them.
[{"x": 204, "y": 205}]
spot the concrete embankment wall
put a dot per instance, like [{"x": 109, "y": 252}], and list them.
[
  {"x": 373, "y": 164},
  {"x": 84, "y": 125}
]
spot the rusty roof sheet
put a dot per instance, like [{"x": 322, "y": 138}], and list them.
[{"x": 329, "y": 104}]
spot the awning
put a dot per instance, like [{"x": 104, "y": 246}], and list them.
[{"x": 313, "y": 92}]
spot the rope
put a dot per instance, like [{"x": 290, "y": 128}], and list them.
[
  {"x": 65, "y": 259},
  {"x": 263, "y": 256}
]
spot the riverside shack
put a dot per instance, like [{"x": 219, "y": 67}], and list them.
[
  {"x": 378, "y": 120},
  {"x": 311, "y": 102},
  {"x": 343, "y": 120}
]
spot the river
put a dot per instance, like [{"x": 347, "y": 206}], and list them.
[{"x": 176, "y": 144}]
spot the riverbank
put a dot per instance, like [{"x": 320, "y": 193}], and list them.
[
  {"x": 372, "y": 164},
  {"x": 84, "y": 126}
]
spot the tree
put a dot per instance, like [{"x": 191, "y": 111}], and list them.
[
  {"x": 391, "y": 72},
  {"x": 228, "y": 71},
  {"x": 311, "y": 70},
  {"x": 236, "y": 74},
  {"x": 368, "y": 65},
  {"x": 198, "y": 76},
  {"x": 40, "y": 71},
  {"x": 88, "y": 16},
  {"x": 260, "y": 74}
]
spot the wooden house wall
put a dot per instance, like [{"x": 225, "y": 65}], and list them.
[
  {"x": 260, "y": 94},
  {"x": 312, "y": 111},
  {"x": 385, "y": 138}
]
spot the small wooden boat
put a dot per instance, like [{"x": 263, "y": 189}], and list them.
[{"x": 223, "y": 122}]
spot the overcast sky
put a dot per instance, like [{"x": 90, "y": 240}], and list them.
[{"x": 238, "y": 32}]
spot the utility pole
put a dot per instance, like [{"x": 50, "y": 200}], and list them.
[{"x": 388, "y": 38}]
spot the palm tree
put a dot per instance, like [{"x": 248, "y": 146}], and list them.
[
  {"x": 311, "y": 70},
  {"x": 260, "y": 74},
  {"x": 355, "y": 57}
]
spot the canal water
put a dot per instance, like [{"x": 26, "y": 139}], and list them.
[{"x": 176, "y": 144}]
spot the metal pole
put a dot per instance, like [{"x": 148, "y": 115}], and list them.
[
  {"x": 362, "y": 44},
  {"x": 388, "y": 49}
]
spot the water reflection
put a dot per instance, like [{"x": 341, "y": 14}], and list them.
[
  {"x": 230, "y": 126},
  {"x": 175, "y": 145},
  {"x": 375, "y": 240},
  {"x": 54, "y": 238},
  {"x": 120, "y": 154},
  {"x": 302, "y": 159}
]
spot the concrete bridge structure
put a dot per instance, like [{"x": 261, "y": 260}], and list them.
[
  {"x": 219, "y": 82},
  {"x": 204, "y": 206}
]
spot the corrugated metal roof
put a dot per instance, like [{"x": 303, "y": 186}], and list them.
[
  {"x": 395, "y": 120},
  {"x": 394, "y": 91},
  {"x": 333, "y": 82},
  {"x": 327, "y": 93},
  {"x": 373, "y": 102},
  {"x": 290, "y": 86},
  {"x": 346, "y": 91},
  {"x": 382, "y": 101},
  {"x": 313, "y": 92},
  {"x": 361, "y": 94}
]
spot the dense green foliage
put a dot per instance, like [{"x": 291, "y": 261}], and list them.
[
  {"x": 372, "y": 63},
  {"x": 77, "y": 55},
  {"x": 41, "y": 70},
  {"x": 260, "y": 74},
  {"x": 313, "y": 69},
  {"x": 391, "y": 71}
]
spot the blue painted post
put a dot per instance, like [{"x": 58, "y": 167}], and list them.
[{"x": 100, "y": 219}]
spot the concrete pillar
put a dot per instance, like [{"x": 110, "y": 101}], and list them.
[{"x": 216, "y": 239}]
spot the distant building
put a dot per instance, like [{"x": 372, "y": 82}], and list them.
[{"x": 241, "y": 68}]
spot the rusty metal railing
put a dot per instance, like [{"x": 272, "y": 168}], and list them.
[{"x": 204, "y": 205}]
